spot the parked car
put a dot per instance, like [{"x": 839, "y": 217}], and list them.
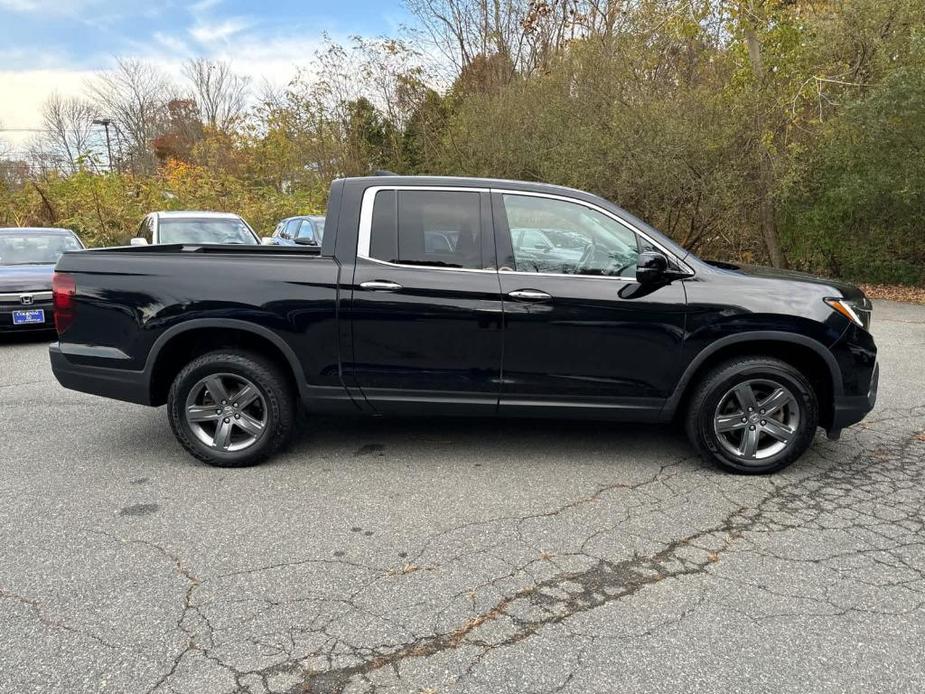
[
  {"x": 194, "y": 228},
  {"x": 27, "y": 262},
  {"x": 379, "y": 321},
  {"x": 306, "y": 229}
]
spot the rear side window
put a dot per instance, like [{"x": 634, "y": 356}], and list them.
[{"x": 425, "y": 227}]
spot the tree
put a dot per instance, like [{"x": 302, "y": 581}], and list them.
[
  {"x": 181, "y": 134},
  {"x": 220, "y": 94},
  {"x": 69, "y": 129},
  {"x": 134, "y": 95}
]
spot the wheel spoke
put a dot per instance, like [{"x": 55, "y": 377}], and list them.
[
  {"x": 223, "y": 435},
  {"x": 779, "y": 431},
  {"x": 247, "y": 395},
  {"x": 248, "y": 424},
  {"x": 727, "y": 423},
  {"x": 202, "y": 413},
  {"x": 746, "y": 396},
  {"x": 750, "y": 443},
  {"x": 217, "y": 389},
  {"x": 777, "y": 400}
]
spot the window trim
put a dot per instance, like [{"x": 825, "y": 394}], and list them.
[{"x": 366, "y": 223}]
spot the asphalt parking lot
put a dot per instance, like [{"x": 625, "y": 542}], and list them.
[{"x": 457, "y": 556}]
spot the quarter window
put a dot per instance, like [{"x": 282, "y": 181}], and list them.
[
  {"x": 555, "y": 236},
  {"x": 425, "y": 227}
]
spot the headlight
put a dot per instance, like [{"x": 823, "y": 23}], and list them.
[{"x": 857, "y": 311}]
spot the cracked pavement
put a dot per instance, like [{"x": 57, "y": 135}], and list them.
[{"x": 457, "y": 555}]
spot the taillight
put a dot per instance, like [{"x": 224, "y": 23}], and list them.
[{"x": 63, "y": 289}]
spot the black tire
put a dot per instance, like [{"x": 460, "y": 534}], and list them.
[
  {"x": 278, "y": 406},
  {"x": 715, "y": 387}
]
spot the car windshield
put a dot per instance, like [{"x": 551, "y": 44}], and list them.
[
  {"x": 205, "y": 231},
  {"x": 35, "y": 248}
]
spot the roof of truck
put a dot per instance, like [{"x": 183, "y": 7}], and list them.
[{"x": 388, "y": 179}]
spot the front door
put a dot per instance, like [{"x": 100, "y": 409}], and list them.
[
  {"x": 581, "y": 335},
  {"x": 426, "y": 311}
]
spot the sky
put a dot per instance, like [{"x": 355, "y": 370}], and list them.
[{"x": 56, "y": 45}]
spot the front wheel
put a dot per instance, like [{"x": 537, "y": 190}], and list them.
[
  {"x": 753, "y": 415},
  {"x": 231, "y": 408}
]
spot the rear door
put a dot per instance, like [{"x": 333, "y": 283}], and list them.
[
  {"x": 426, "y": 311},
  {"x": 581, "y": 335}
]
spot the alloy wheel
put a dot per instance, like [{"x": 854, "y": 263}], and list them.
[
  {"x": 226, "y": 412},
  {"x": 757, "y": 419}
]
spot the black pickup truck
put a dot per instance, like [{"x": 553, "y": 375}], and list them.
[{"x": 459, "y": 296}]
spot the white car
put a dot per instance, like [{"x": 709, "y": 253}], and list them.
[{"x": 194, "y": 228}]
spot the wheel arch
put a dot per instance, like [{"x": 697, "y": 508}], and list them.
[
  {"x": 810, "y": 357},
  {"x": 178, "y": 345}
]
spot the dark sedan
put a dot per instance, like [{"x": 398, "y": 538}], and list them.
[{"x": 27, "y": 261}]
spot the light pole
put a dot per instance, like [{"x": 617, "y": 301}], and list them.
[{"x": 106, "y": 122}]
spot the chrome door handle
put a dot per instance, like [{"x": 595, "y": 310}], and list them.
[
  {"x": 380, "y": 286},
  {"x": 529, "y": 295}
]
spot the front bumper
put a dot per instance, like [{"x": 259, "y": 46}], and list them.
[
  {"x": 119, "y": 384},
  {"x": 851, "y": 409}
]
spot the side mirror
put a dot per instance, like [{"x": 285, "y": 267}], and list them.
[
  {"x": 650, "y": 267},
  {"x": 267, "y": 241},
  {"x": 305, "y": 241},
  {"x": 138, "y": 241}
]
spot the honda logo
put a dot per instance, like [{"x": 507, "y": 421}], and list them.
[{"x": 25, "y": 299}]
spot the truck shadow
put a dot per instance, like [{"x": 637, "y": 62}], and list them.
[
  {"x": 474, "y": 439},
  {"x": 35, "y": 337}
]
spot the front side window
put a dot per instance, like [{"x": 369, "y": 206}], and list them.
[
  {"x": 292, "y": 228},
  {"x": 556, "y": 236},
  {"x": 307, "y": 231},
  {"x": 426, "y": 227}
]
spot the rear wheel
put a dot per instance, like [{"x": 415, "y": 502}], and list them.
[
  {"x": 753, "y": 415},
  {"x": 231, "y": 408}
]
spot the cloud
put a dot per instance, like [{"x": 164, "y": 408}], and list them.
[
  {"x": 172, "y": 43},
  {"x": 207, "y": 32},
  {"x": 32, "y": 88}
]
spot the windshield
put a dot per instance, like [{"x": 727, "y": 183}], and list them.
[
  {"x": 35, "y": 248},
  {"x": 205, "y": 231}
]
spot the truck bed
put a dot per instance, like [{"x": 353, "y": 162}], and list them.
[{"x": 131, "y": 299}]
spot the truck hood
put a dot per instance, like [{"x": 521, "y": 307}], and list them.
[
  {"x": 847, "y": 290},
  {"x": 25, "y": 278}
]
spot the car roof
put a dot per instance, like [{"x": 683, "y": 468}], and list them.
[
  {"x": 309, "y": 217},
  {"x": 40, "y": 230},
  {"x": 195, "y": 214}
]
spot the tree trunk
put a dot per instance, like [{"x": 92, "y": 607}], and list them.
[{"x": 767, "y": 212}]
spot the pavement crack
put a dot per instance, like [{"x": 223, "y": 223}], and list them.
[{"x": 41, "y": 613}]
